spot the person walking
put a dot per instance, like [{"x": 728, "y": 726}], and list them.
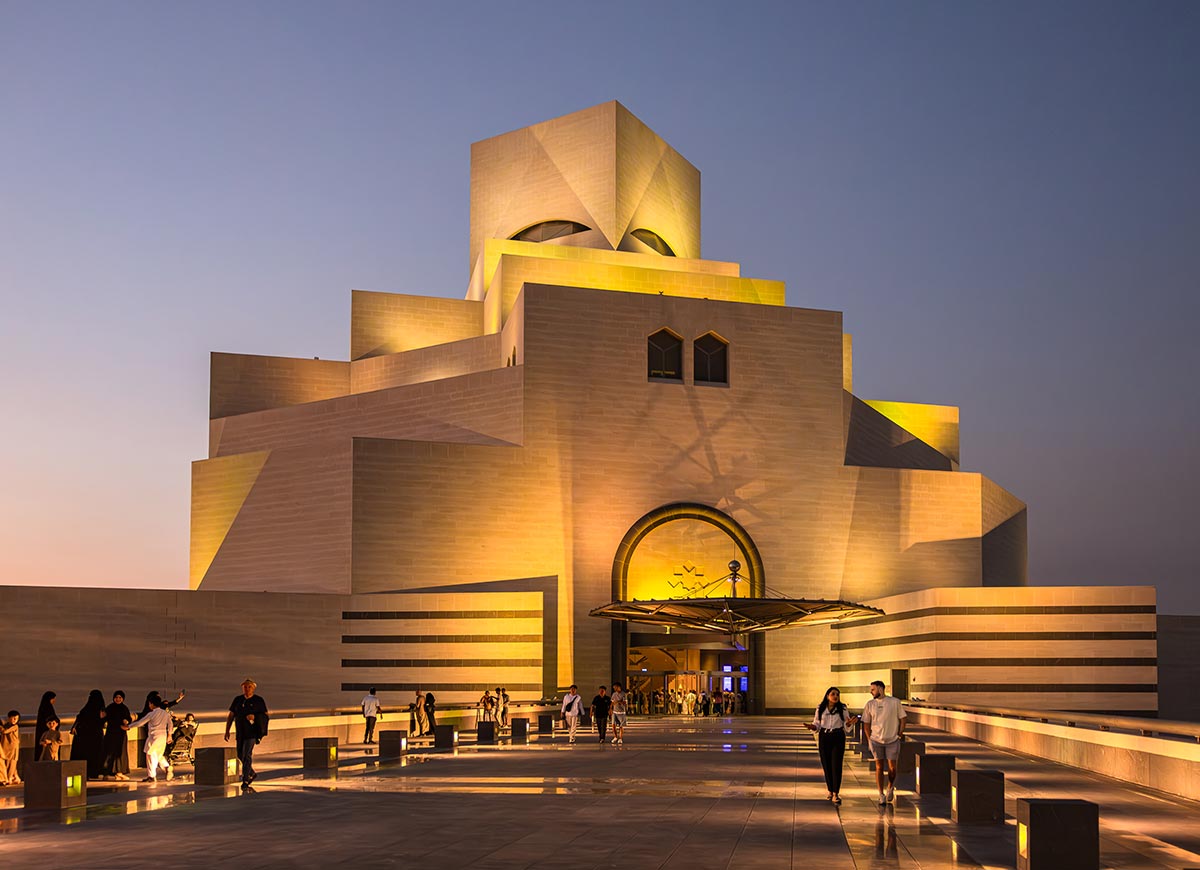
[
  {"x": 10, "y": 748},
  {"x": 371, "y": 711},
  {"x": 249, "y": 713},
  {"x": 600, "y": 707},
  {"x": 421, "y": 716},
  {"x": 46, "y": 712},
  {"x": 831, "y": 722},
  {"x": 157, "y": 722},
  {"x": 87, "y": 735},
  {"x": 620, "y": 707},
  {"x": 116, "y": 738},
  {"x": 502, "y": 703},
  {"x": 883, "y": 724},
  {"x": 572, "y": 709}
]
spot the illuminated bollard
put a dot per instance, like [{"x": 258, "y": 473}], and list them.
[
  {"x": 216, "y": 765},
  {"x": 445, "y": 737},
  {"x": 485, "y": 732},
  {"x": 933, "y": 773},
  {"x": 1057, "y": 834},
  {"x": 906, "y": 765},
  {"x": 545, "y": 723},
  {"x": 977, "y": 797},
  {"x": 520, "y": 730},
  {"x": 320, "y": 753},
  {"x": 55, "y": 785},
  {"x": 393, "y": 744}
]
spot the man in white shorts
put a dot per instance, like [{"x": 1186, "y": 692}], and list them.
[
  {"x": 883, "y": 723},
  {"x": 620, "y": 703}
]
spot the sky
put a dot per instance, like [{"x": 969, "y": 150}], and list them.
[{"x": 1003, "y": 198}]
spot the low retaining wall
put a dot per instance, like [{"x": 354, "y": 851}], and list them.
[{"x": 1156, "y": 762}]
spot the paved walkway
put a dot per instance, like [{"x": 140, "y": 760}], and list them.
[{"x": 742, "y": 793}]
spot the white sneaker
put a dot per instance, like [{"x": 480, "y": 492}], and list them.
[
  {"x": 170, "y": 772},
  {"x": 882, "y": 799},
  {"x": 891, "y": 792},
  {"x": 621, "y": 740},
  {"x": 614, "y": 740}
]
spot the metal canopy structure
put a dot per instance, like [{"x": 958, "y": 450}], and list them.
[{"x": 735, "y": 615}]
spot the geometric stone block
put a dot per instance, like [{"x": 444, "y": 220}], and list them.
[
  {"x": 933, "y": 773},
  {"x": 393, "y": 744},
  {"x": 55, "y": 785},
  {"x": 909, "y": 750},
  {"x": 216, "y": 765},
  {"x": 320, "y": 753},
  {"x": 977, "y": 797},
  {"x": 1058, "y": 834},
  {"x": 485, "y": 732},
  {"x": 520, "y": 730},
  {"x": 446, "y": 736},
  {"x": 545, "y": 723}
]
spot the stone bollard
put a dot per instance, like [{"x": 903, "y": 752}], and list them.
[
  {"x": 977, "y": 797},
  {"x": 445, "y": 737},
  {"x": 393, "y": 744},
  {"x": 485, "y": 732},
  {"x": 545, "y": 723},
  {"x": 520, "y": 730},
  {"x": 933, "y": 773},
  {"x": 55, "y": 785},
  {"x": 216, "y": 765},
  {"x": 320, "y": 753},
  {"x": 1058, "y": 834}
]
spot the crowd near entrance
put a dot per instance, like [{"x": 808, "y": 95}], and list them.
[{"x": 683, "y": 681}]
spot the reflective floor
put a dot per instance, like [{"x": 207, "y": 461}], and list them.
[{"x": 737, "y": 793}]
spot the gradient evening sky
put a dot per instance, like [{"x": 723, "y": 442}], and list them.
[{"x": 1003, "y": 198}]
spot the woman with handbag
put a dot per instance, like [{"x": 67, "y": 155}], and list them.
[{"x": 831, "y": 722}]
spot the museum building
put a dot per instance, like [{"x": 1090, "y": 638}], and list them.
[{"x": 612, "y": 460}]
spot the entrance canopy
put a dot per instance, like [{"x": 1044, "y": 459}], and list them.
[{"x": 735, "y": 615}]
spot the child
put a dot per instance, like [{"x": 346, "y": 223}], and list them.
[
  {"x": 10, "y": 748},
  {"x": 51, "y": 741}
]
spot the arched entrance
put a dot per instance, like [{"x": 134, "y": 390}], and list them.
[{"x": 676, "y": 551}]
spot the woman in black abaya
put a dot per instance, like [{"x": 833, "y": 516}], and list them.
[
  {"x": 116, "y": 738},
  {"x": 45, "y": 713},
  {"x": 87, "y": 735}
]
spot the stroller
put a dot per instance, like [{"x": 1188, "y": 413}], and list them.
[{"x": 180, "y": 747}]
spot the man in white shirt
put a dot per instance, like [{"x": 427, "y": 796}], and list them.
[
  {"x": 572, "y": 708},
  {"x": 620, "y": 703},
  {"x": 883, "y": 723},
  {"x": 371, "y": 711},
  {"x": 158, "y": 730}
]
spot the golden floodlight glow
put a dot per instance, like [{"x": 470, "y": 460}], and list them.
[
  {"x": 1023, "y": 840},
  {"x": 954, "y": 799},
  {"x": 231, "y": 767},
  {"x": 333, "y": 753},
  {"x": 74, "y": 786}
]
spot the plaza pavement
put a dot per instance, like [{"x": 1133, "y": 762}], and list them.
[{"x": 741, "y": 793}]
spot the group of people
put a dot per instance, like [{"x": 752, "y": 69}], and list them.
[
  {"x": 422, "y": 714},
  {"x": 494, "y": 708},
  {"x": 100, "y": 734},
  {"x": 605, "y": 708},
  {"x": 883, "y": 729},
  {"x": 681, "y": 702}
]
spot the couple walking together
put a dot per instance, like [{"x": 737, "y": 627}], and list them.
[{"x": 883, "y": 726}]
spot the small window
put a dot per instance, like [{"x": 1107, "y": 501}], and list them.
[
  {"x": 664, "y": 356},
  {"x": 547, "y": 230},
  {"x": 711, "y": 360},
  {"x": 653, "y": 240}
]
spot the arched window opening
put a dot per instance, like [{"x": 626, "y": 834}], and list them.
[
  {"x": 664, "y": 356},
  {"x": 547, "y": 230},
  {"x": 711, "y": 359},
  {"x": 653, "y": 240}
]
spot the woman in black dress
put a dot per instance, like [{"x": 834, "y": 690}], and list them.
[
  {"x": 45, "y": 713},
  {"x": 87, "y": 743},
  {"x": 116, "y": 738}
]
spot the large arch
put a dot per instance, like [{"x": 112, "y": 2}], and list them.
[
  {"x": 752, "y": 559},
  {"x": 686, "y": 511}
]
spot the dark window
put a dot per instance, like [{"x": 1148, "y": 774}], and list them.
[
  {"x": 654, "y": 240},
  {"x": 664, "y": 356},
  {"x": 547, "y": 230},
  {"x": 711, "y": 359}
]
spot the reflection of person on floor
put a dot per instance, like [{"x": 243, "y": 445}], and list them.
[
  {"x": 831, "y": 722},
  {"x": 883, "y": 726},
  {"x": 572, "y": 709},
  {"x": 885, "y": 835},
  {"x": 600, "y": 706}
]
